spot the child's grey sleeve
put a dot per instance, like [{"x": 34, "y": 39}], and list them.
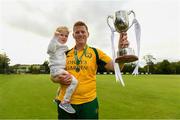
[{"x": 51, "y": 46}]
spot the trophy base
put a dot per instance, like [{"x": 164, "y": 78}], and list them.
[{"x": 126, "y": 59}]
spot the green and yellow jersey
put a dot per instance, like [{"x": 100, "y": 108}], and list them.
[{"x": 86, "y": 88}]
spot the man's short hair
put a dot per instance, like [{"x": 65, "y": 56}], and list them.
[{"x": 80, "y": 23}]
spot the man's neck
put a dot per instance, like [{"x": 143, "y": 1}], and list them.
[{"x": 80, "y": 46}]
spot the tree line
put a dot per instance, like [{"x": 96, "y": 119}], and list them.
[
  {"x": 5, "y": 67},
  {"x": 163, "y": 67}
]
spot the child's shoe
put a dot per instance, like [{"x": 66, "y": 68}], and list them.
[{"x": 67, "y": 107}]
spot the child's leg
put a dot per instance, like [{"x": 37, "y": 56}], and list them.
[
  {"x": 58, "y": 91},
  {"x": 56, "y": 72},
  {"x": 65, "y": 103},
  {"x": 70, "y": 89},
  {"x": 57, "y": 94}
]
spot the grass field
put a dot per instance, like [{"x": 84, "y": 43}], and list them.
[{"x": 143, "y": 97}]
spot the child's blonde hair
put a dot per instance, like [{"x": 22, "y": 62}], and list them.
[{"x": 62, "y": 29}]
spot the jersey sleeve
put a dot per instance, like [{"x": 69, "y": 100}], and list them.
[{"x": 103, "y": 57}]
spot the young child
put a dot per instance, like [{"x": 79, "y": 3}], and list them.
[{"x": 57, "y": 62}]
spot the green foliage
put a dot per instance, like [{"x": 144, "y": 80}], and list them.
[
  {"x": 164, "y": 67},
  {"x": 143, "y": 97},
  {"x": 177, "y": 67},
  {"x": 4, "y": 63},
  {"x": 46, "y": 67},
  {"x": 128, "y": 68},
  {"x": 150, "y": 63}
]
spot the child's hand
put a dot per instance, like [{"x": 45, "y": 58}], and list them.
[{"x": 56, "y": 34}]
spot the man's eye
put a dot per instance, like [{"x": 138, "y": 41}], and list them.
[{"x": 82, "y": 32}]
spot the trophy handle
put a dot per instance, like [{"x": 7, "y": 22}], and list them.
[
  {"x": 131, "y": 11},
  {"x": 110, "y": 17}
]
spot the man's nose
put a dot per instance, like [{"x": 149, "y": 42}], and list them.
[{"x": 80, "y": 33}]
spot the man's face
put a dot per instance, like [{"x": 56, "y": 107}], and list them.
[{"x": 80, "y": 34}]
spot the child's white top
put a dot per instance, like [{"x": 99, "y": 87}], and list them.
[{"x": 56, "y": 51}]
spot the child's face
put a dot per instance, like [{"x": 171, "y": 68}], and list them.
[{"x": 63, "y": 36}]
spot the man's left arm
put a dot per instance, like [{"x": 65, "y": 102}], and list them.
[
  {"x": 110, "y": 67},
  {"x": 123, "y": 43}
]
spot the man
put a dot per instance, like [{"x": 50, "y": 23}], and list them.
[{"x": 81, "y": 63}]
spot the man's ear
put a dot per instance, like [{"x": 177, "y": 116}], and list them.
[{"x": 88, "y": 34}]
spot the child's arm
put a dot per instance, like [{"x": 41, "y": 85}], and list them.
[{"x": 52, "y": 45}]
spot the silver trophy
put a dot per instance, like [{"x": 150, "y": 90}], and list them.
[{"x": 121, "y": 24}]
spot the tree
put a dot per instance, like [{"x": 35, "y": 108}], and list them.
[
  {"x": 173, "y": 67},
  {"x": 4, "y": 63},
  {"x": 46, "y": 67},
  {"x": 128, "y": 68},
  {"x": 178, "y": 67},
  {"x": 165, "y": 67},
  {"x": 150, "y": 62},
  {"x": 34, "y": 69}
]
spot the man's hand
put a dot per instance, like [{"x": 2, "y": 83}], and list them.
[
  {"x": 64, "y": 79},
  {"x": 109, "y": 66},
  {"x": 123, "y": 42}
]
